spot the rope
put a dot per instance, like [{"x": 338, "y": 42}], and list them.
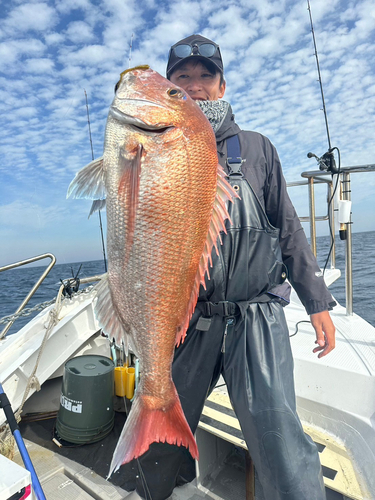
[
  {"x": 33, "y": 382},
  {"x": 39, "y": 307},
  {"x": 26, "y": 312},
  {"x": 7, "y": 442},
  {"x": 6, "y": 438}
]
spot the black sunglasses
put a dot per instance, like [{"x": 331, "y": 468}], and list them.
[{"x": 203, "y": 49}]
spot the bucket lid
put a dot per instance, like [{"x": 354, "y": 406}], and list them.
[{"x": 89, "y": 365}]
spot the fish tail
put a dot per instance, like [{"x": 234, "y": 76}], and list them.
[{"x": 146, "y": 425}]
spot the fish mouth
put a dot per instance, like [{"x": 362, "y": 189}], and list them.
[{"x": 138, "y": 124}]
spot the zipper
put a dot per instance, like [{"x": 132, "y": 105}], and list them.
[{"x": 229, "y": 322}]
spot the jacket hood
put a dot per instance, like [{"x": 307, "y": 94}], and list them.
[{"x": 228, "y": 128}]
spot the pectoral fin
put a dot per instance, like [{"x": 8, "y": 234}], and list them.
[
  {"x": 89, "y": 182},
  {"x": 107, "y": 315},
  {"x": 128, "y": 192},
  {"x": 97, "y": 205}
]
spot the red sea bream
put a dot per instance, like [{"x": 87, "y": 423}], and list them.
[{"x": 165, "y": 196}]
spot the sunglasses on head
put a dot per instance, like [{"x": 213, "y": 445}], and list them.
[{"x": 202, "y": 49}]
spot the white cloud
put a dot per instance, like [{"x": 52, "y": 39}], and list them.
[
  {"x": 30, "y": 17},
  {"x": 39, "y": 65},
  {"x": 87, "y": 56},
  {"x": 58, "y": 49},
  {"x": 8, "y": 53},
  {"x": 11, "y": 51},
  {"x": 66, "y": 6},
  {"x": 30, "y": 216},
  {"x": 54, "y": 38},
  {"x": 79, "y": 32}
]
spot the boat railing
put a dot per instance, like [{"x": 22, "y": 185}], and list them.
[
  {"x": 341, "y": 193},
  {"x": 62, "y": 290},
  {"x": 34, "y": 288}
]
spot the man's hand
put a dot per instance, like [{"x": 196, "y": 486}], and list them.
[{"x": 325, "y": 332}]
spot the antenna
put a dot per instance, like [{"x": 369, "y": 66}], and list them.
[
  {"x": 92, "y": 157},
  {"x": 130, "y": 49},
  {"x": 320, "y": 78}
]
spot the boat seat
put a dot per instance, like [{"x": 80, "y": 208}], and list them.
[{"x": 219, "y": 419}]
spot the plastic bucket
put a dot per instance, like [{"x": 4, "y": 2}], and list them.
[{"x": 86, "y": 412}]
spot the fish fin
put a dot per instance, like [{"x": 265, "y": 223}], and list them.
[
  {"x": 146, "y": 424},
  {"x": 128, "y": 191},
  {"x": 97, "y": 205},
  {"x": 89, "y": 182},
  {"x": 106, "y": 314},
  {"x": 224, "y": 193}
]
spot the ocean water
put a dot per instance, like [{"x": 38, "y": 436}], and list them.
[
  {"x": 16, "y": 283},
  {"x": 363, "y": 262}
]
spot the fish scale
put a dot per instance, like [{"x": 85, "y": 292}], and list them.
[{"x": 166, "y": 200}]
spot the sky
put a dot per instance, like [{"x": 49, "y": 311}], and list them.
[{"x": 51, "y": 52}]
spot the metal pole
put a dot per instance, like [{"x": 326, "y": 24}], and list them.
[
  {"x": 312, "y": 215},
  {"x": 34, "y": 288},
  {"x": 348, "y": 249}
]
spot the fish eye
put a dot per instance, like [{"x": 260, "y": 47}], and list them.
[{"x": 175, "y": 93}]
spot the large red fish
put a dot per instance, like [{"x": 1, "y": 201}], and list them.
[{"x": 166, "y": 200}]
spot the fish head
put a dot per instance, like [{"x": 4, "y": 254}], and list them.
[{"x": 153, "y": 106}]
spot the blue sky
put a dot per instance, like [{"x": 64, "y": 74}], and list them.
[{"x": 50, "y": 51}]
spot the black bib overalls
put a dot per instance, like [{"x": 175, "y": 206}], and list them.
[{"x": 237, "y": 332}]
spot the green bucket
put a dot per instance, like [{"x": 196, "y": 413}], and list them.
[{"x": 86, "y": 412}]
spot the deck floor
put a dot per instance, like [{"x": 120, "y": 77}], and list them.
[{"x": 78, "y": 473}]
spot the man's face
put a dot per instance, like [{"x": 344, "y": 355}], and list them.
[{"x": 198, "y": 81}]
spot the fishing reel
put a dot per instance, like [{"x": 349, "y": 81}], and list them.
[
  {"x": 326, "y": 162},
  {"x": 71, "y": 285}
]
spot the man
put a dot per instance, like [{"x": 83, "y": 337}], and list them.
[{"x": 238, "y": 329}]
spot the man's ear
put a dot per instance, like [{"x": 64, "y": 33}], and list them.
[{"x": 223, "y": 86}]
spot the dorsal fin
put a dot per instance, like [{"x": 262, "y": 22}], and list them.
[{"x": 220, "y": 213}]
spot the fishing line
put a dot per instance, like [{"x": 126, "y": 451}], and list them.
[
  {"x": 320, "y": 78},
  {"x": 326, "y": 162},
  {"x": 92, "y": 157},
  {"x": 130, "y": 50},
  {"x": 144, "y": 482},
  {"x": 329, "y": 205}
]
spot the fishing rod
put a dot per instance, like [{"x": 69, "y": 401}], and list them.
[
  {"x": 6, "y": 406},
  {"x": 92, "y": 158},
  {"x": 319, "y": 74},
  {"x": 327, "y": 160}
]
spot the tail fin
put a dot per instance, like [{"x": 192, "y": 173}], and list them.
[{"x": 145, "y": 425}]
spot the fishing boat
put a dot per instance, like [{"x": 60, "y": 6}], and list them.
[{"x": 335, "y": 395}]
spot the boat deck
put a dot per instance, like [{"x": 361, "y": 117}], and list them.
[
  {"x": 79, "y": 472},
  {"x": 64, "y": 479},
  {"x": 219, "y": 419}
]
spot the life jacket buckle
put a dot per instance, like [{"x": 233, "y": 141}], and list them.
[{"x": 234, "y": 165}]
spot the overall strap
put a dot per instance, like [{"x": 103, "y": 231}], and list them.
[{"x": 234, "y": 160}]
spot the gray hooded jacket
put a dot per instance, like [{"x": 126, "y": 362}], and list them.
[{"x": 263, "y": 171}]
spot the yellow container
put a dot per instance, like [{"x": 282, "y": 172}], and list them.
[
  {"x": 130, "y": 382},
  {"x": 120, "y": 380}
]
